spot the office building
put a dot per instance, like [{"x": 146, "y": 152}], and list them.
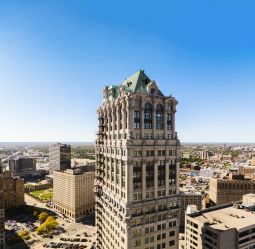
[
  {"x": 13, "y": 191},
  {"x": 223, "y": 191},
  {"x": 73, "y": 192},
  {"x": 59, "y": 157},
  {"x": 22, "y": 166},
  {"x": 188, "y": 197},
  {"x": 247, "y": 171},
  {"x": 137, "y": 168},
  {"x": 222, "y": 227},
  {"x": 2, "y": 235}
]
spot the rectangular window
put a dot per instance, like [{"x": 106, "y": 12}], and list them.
[
  {"x": 149, "y": 174},
  {"x": 137, "y": 120},
  {"x": 169, "y": 121},
  {"x": 137, "y": 175},
  {"x": 147, "y": 120}
]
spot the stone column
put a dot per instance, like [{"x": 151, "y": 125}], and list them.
[
  {"x": 109, "y": 124},
  {"x": 124, "y": 117},
  {"x": 129, "y": 181},
  {"x": 154, "y": 120},
  {"x": 173, "y": 125},
  {"x": 142, "y": 120},
  {"x": 118, "y": 120},
  {"x": 115, "y": 167},
  {"x": 167, "y": 176},
  {"x": 130, "y": 119},
  {"x": 143, "y": 179},
  {"x": 177, "y": 174},
  {"x": 165, "y": 123},
  {"x": 155, "y": 178},
  {"x": 113, "y": 121}
]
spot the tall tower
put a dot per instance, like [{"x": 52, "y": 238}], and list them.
[
  {"x": 137, "y": 167},
  {"x": 59, "y": 157},
  {"x": 2, "y": 237}
]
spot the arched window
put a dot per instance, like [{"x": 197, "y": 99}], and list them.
[
  {"x": 148, "y": 116},
  {"x": 159, "y": 117}
]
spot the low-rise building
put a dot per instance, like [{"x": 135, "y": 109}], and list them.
[
  {"x": 73, "y": 192},
  {"x": 247, "y": 171},
  {"x": 223, "y": 191},
  {"x": 13, "y": 191},
  {"x": 22, "y": 166},
  {"x": 220, "y": 227}
]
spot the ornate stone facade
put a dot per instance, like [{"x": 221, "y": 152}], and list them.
[{"x": 137, "y": 169}]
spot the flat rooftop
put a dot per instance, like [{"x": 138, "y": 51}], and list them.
[{"x": 225, "y": 217}]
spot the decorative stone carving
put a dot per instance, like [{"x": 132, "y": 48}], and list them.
[
  {"x": 152, "y": 88},
  {"x": 105, "y": 93},
  {"x": 122, "y": 90}
]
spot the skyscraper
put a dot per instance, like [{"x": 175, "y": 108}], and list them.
[
  {"x": 59, "y": 157},
  {"x": 2, "y": 239},
  {"x": 137, "y": 169}
]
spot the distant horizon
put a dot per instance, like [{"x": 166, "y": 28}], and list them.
[{"x": 90, "y": 142}]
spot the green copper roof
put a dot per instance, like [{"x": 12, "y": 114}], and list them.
[{"x": 136, "y": 83}]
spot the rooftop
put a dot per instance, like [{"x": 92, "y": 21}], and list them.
[
  {"x": 225, "y": 217},
  {"x": 136, "y": 83}
]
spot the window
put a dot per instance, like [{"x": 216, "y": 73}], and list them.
[
  {"x": 149, "y": 174},
  {"x": 137, "y": 119},
  {"x": 172, "y": 174},
  {"x": 169, "y": 121},
  {"x": 148, "y": 116},
  {"x": 137, "y": 242},
  {"x": 159, "y": 117},
  {"x": 137, "y": 175},
  {"x": 171, "y": 243},
  {"x": 161, "y": 175}
]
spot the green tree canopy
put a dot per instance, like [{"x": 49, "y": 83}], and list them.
[{"x": 43, "y": 216}]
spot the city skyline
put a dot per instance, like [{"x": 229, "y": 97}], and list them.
[{"x": 56, "y": 57}]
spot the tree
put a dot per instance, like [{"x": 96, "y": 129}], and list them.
[
  {"x": 51, "y": 223},
  {"x": 50, "y": 218},
  {"x": 43, "y": 216},
  {"x": 41, "y": 229},
  {"x": 36, "y": 214},
  {"x": 23, "y": 233}
]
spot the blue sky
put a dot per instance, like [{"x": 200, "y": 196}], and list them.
[{"x": 55, "y": 57}]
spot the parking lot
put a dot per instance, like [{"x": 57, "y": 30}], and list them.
[
  {"x": 76, "y": 236},
  {"x": 69, "y": 235}
]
